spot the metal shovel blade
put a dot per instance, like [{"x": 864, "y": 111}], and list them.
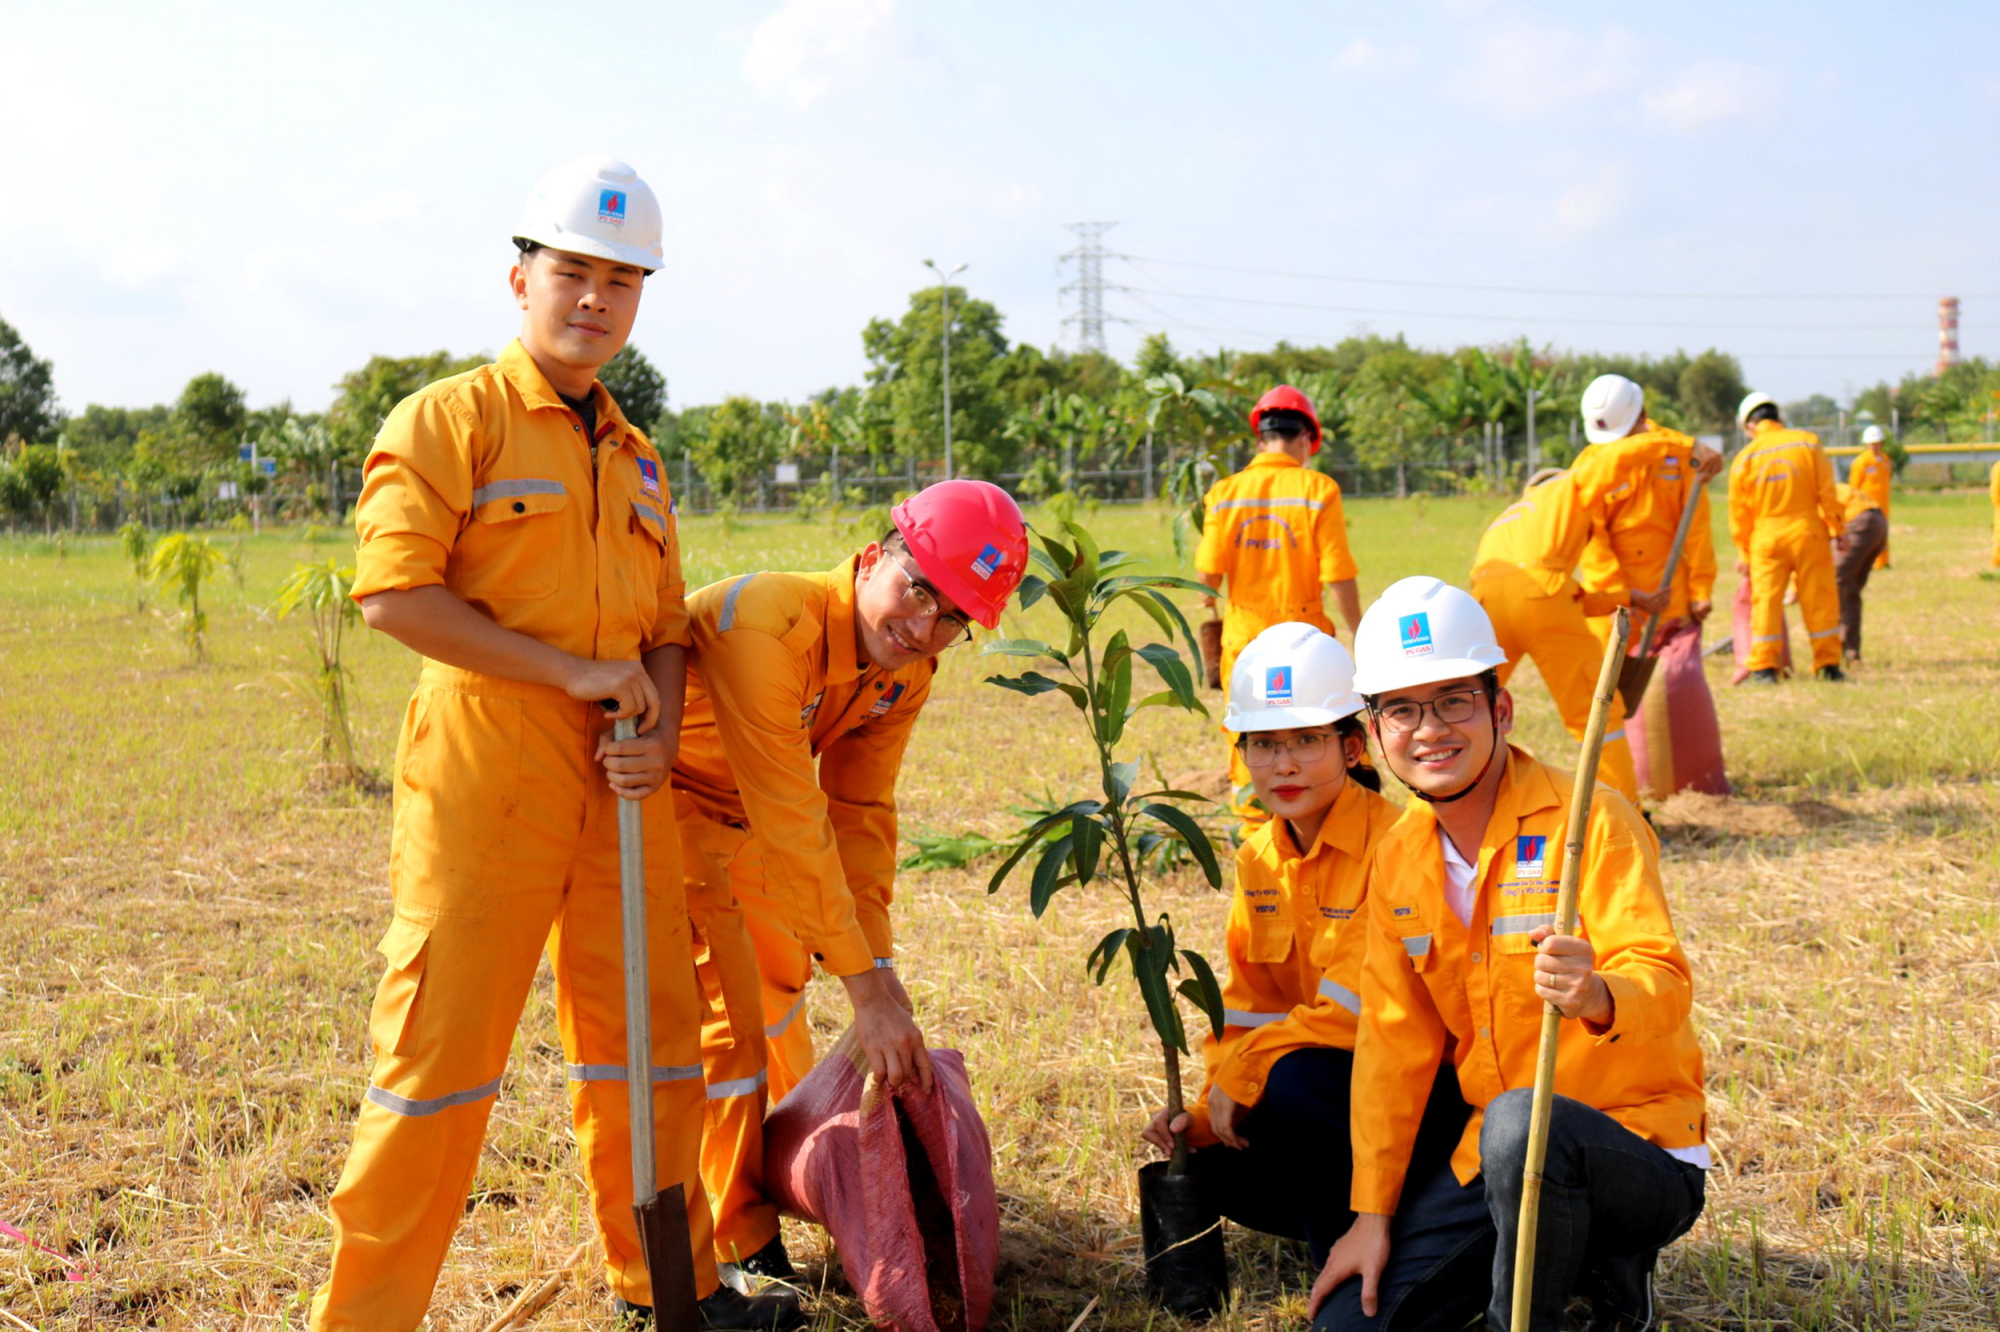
[
  {"x": 1634, "y": 674},
  {"x": 663, "y": 1238}
]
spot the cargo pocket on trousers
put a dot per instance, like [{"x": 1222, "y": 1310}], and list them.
[{"x": 392, "y": 1024}]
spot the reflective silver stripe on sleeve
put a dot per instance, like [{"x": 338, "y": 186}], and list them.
[
  {"x": 722, "y": 1091},
  {"x": 403, "y": 1105},
  {"x": 1236, "y": 1017},
  {"x": 616, "y": 1072},
  {"x": 1416, "y": 945},
  {"x": 1341, "y": 995},
  {"x": 1618, "y": 734},
  {"x": 1522, "y": 924},
  {"x": 777, "y": 1029},
  {"x": 885, "y": 964},
  {"x": 494, "y": 490},
  {"x": 729, "y": 604},
  {"x": 1300, "y": 503},
  {"x": 648, "y": 511}
]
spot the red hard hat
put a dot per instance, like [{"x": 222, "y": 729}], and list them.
[
  {"x": 969, "y": 539},
  {"x": 1285, "y": 398}
]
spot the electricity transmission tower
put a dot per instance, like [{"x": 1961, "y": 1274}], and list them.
[{"x": 1089, "y": 256}]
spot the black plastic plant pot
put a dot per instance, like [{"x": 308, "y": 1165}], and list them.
[{"x": 1187, "y": 1268}]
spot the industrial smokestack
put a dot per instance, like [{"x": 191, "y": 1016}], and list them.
[{"x": 1947, "y": 334}]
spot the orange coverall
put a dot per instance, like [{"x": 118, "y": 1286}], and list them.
[
  {"x": 1782, "y": 513},
  {"x": 1276, "y": 532},
  {"x": 506, "y": 831},
  {"x": 785, "y": 863},
  {"x": 1283, "y": 918},
  {"x": 1872, "y": 472},
  {"x": 1993, "y": 493},
  {"x": 1432, "y": 988},
  {"x": 1523, "y": 574}
]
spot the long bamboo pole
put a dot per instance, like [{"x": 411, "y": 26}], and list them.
[{"x": 1572, "y": 873}]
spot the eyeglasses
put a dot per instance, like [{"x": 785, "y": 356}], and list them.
[
  {"x": 920, "y": 601},
  {"x": 1450, "y": 709},
  {"x": 1261, "y": 751}
]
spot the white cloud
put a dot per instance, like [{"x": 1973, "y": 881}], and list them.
[
  {"x": 1361, "y": 53},
  {"x": 1588, "y": 204},
  {"x": 1524, "y": 70},
  {"x": 1709, "y": 94},
  {"x": 811, "y": 47}
]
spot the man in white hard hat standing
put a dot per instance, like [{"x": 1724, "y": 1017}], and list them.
[
  {"x": 1460, "y": 955},
  {"x": 1782, "y": 509},
  {"x": 1871, "y": 473},
  {"x": 517, "y": 532}
]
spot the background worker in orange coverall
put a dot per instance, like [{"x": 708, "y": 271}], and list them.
[
  {"x": 1269, "y": 1131},
  {"x": 1523, "y": 572},
  {"x": 1873, "y": 472},
  {"x": 802, "y": 691},
  {"x": 1782, "y": 511},
  {"x": 1460, "y": 955},
  {"x": 1867, "y": 534},
  {"x": 1993, "y": 494},
  {"x": 1276, "y": 534},
  {"x": 516, "y": 531}
]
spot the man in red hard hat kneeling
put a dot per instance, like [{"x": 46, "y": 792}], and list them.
[{"x": 802, "y": 690}]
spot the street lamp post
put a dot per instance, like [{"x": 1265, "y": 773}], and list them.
[{"x": 945, "y": 281}]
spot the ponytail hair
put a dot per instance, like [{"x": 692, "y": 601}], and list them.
[{"x": 1363, "y": 772}]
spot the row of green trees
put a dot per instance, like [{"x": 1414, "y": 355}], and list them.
[{"x": 1039, "y": 418}]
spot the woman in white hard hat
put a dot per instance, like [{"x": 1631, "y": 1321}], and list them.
[
  {"x": 1270, "y": 1129},
  {"x": 1460, "y": 957}
]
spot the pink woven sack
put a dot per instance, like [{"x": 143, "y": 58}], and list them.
[
  {"x": 902, "y": 1181},
  {"x": 1675, "y": 739}
]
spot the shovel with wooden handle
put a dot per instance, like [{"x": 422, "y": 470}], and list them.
[
  {"x": 1552, "y": 1019},
  {"x": 1636, "y": 672},
  {"x": 661, "y": 1213}
]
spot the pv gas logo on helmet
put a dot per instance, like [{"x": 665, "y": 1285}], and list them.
[
  {"x": 611, "y": 207},
  {"x": 1277, "y": 684},
  {"x": 1414, "y": 633},
  {"x": 989, "y": 560}
]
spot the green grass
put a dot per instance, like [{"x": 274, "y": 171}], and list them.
[{"x": 187, "y": 925}]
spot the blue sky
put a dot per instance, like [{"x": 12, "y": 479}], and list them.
[{"x": 278, "y": 191}]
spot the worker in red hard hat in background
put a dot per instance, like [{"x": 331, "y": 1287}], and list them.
[
  {"x": 802, "y": 690},
  {"x": 1275, "y": 534},
  {"x": 516, "y": 531}
]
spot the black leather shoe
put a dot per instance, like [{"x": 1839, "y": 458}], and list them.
[
  {"x": 1833, "y": 673},
  {"x": 729, "y": 1311},
  {"x": 1621, "y": 1294},
  {"x": 1769, "y": 675},
  {"x": 771, "y": 1263}
]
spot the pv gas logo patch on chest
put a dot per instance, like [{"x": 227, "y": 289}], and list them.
[
  {"x": 649, "y": 477},
  {"x": 1414, "y": 632},
  {"x": 611, "y": 207},
  {"x": 887, "y": 701},
  {"x": 1277, "y": 684},
  {"x": 1530, "y": 855}
]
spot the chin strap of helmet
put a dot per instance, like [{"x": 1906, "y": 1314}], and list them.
[{"x": 1469, "y": 787}]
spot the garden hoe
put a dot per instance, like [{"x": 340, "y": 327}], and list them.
[
  {"x": 661, "y": 1213},
  {"x": 1572, "y": 872},
  {"x": 1636, "y": 672}
]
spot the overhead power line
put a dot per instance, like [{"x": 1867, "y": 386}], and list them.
[{"x": 1556, "y": 291}]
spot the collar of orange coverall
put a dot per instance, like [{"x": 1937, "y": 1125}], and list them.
[
  {"x": 1525, "y": 789},
  {"x": 844, "y": 658},
  {"x": 1345, "y": 827},
  {"x": 1274, "y": 459},
  {"x": 537, "y": 393}
]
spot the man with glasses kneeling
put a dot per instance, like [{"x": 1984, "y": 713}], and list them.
[{"x": 802, "y": 689}]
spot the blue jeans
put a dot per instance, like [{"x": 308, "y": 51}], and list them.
[
  {"x": 1293, "y": 1178},
  {"x": 1606, "y": 1192}
]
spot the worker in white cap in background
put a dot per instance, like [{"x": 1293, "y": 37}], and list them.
[
  {"x": 1782, "y": 510},
  {"x": 1871, "y": 472}
]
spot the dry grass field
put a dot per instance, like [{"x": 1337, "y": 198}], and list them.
[{"x": 187, "y": 926}]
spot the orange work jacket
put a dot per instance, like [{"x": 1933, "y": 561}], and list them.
[
  {"x": 482, "y": 483},
  {"x": 1871, "y": 472},
  {"x": 1854, "y": 501},
  {"x": 1432, "y": 988},
  {"x": 1639, "y": 531},
  {"x": 790, "y": 731},
  {"x": 1283, "y": 919},
  {"x": 1276, "y": 531},
  {"x": 1781, "y": 481}
]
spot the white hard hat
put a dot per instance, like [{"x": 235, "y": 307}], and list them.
[
  {"x": 1751, "y": 402},
  {"x": 1873, "y": 435},
  {"x": 596, "y": 206},
  {"x": 1291, "y": 675},
  {"x": 1611, "y": 405},
  {"x": 1422, "y": 630}
]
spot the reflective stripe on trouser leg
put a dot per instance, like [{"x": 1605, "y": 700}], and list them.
[
  {"x": 1553, "y": 630},
  {"x": 1819, "y": 597},
  {"x": 474, "y": 901},
  {"x": 586, "y": 951},
  {"x": 732, "y": 1043}
]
